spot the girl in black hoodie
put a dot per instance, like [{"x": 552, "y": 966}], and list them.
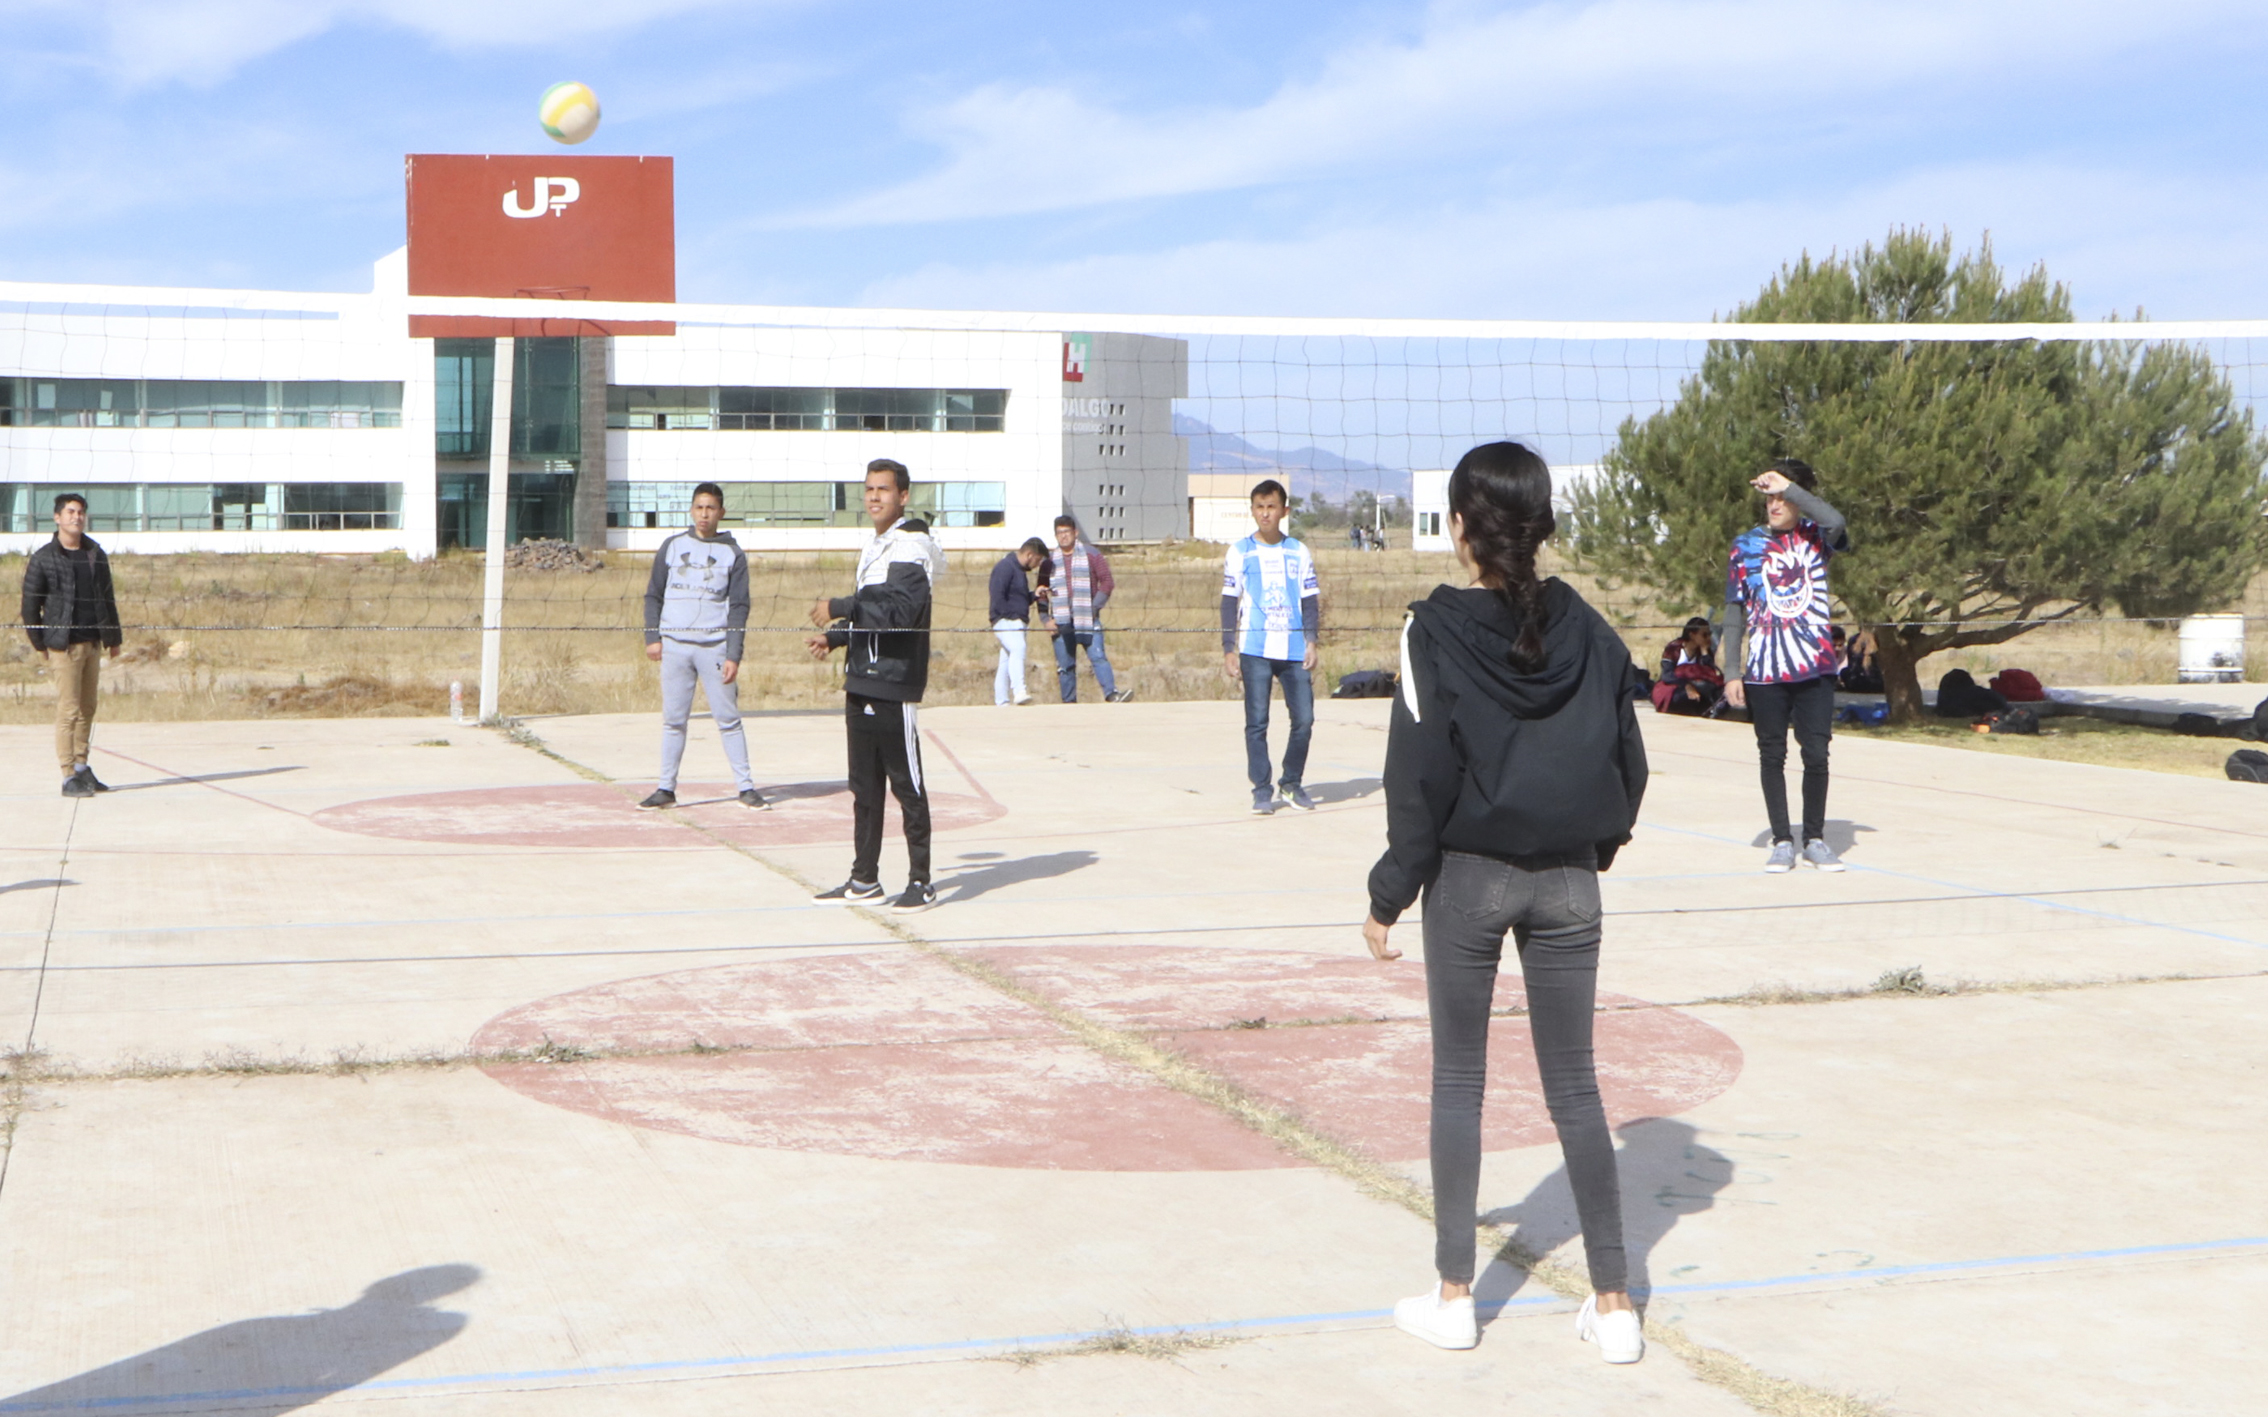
[{"x": 1513, "y": 774}]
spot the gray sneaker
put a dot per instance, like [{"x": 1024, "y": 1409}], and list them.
[
  {"x": 1782, "y": 859},
  {"x": 1820, "y": 854},
  {"x": 1296, "y": 795},
  {"x": 1263, "y": 802}
]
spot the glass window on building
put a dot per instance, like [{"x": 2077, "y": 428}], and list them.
[
  {"x": 752, "y": 409},
  {"x": 659, "y": 406},
  {"x": 204, "y": 506},
  {"x": 537, "y": 504},
  {"x": 547, "y": 397},
  {"x": 342, "y": 506},
  {"x": 200, "y": 403},
  {"x": 803, "y": 504},
  {"x": 464, "y": 385}
]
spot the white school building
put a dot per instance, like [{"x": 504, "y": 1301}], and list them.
[{"x": 227, "y": 420}]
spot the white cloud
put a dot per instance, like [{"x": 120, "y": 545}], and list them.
[
  {"x": 2119, "y": 238},
  {"x": 1486, "y": 85},
  {"x": 203, "y": 41}
]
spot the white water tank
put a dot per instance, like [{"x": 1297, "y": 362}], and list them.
[{"x": 2212, "y": 649}]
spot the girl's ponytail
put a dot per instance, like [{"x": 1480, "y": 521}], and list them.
[{"x": 1501, "y": 492}]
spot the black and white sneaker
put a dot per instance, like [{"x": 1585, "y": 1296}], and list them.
[
  {"x": 750, "y": 797},
  {"x": 1118, "y": 696},
  {"x": 851, "y": 893},
  {"x": 658, "y": 798},
  {"x": 76, "y": 786},
  {"x": 86, "y": 775},
  {"x": 919, "y": 896}
]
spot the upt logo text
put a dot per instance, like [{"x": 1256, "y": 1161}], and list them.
[{"x": 552, "y": 194}]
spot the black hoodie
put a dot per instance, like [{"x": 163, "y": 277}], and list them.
[{"x": 1487, "y": 760}]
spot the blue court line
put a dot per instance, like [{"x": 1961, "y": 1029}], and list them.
[
  {"x": 1978, "y": 893},
  {"x": 696, "y": 1366}
]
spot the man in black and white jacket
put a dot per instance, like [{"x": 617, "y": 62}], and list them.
[{"x": 883, "y": 627}]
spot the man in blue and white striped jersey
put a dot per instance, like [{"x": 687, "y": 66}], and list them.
[{"x": 1271, "y": 612}]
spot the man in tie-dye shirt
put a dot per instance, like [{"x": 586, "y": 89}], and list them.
[{"x": 1780, "y": 651}]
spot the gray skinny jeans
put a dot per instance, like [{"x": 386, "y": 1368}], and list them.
[{"x": 1551, "y": 907}]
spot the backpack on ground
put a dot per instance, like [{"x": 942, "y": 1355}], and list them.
[
  {"x": 1959, "y": 695},
  {"x": 2015, "y": 719},
  {"x": 2247, "y": 765},
  {"x": 2018, "y": 686},
  {"x": 1367, "y": 684}
]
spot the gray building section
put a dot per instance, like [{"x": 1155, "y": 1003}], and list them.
[
  {"x": 590, "y": 466},
  {"x": 1125, "y": 471}
]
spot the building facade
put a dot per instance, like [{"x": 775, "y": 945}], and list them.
[{"x": 274, "y": 422}]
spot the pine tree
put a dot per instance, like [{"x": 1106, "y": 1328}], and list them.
[{"x": 1990, "y": 487}]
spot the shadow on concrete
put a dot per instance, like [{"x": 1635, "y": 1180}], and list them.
[
  {"x": 35, "y": 885},
  {"x": 1666, "y": 1175},
  {"x": 792, "y": 791},
  {"x": 1326, "y": 793},
  {"x": 972, "y": 882},
  {"x": 271, "y": 1365},
  {"x": 1842, "y": 836},
  {"x": 202, "y": 778}
]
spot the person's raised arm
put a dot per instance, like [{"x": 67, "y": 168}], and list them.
[{"x": 1834, "y": 531}]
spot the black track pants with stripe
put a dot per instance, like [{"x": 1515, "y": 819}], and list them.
[{"x": 885, "y": 747}]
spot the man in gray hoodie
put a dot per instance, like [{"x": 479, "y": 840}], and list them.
[{"x": 696, "y": 621}]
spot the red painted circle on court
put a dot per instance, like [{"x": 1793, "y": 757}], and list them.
[
  {"x": 598, "y": 815},
  {"x": 897, "y": 1055}
]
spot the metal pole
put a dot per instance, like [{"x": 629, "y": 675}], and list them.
[{"x": 499, "y": 502}]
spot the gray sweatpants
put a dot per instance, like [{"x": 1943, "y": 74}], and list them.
[
  {"x": 681, "y": 666},
  {"x": 1551, "y": 908}
]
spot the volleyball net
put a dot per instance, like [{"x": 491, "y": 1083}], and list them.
[{"x": 295, "y": 479}]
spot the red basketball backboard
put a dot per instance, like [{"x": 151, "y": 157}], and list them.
[{"x": 548, "y": 226}]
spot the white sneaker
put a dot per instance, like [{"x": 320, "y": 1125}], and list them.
[
  {"x": 1444, "y": 1323},
  {"x": 1618, "y": 1334},
  {"x": 1022, "y": 699}
]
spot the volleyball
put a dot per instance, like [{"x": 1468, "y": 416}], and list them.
[{"x": 569, "y": 111}]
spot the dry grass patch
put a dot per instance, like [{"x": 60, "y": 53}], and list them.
[
  {"x": 2068, "y": 738},
  {"x": 216, "y": 636}
]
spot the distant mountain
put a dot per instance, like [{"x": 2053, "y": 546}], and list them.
[{"x": 1307, "y": 471}]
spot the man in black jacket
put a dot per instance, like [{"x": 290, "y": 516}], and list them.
[
  {"x": 883, "y": 627},
  {"x": 71, "y": 610}
]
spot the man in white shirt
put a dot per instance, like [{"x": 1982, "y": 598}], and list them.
[{"x": 1271, "y": 611}]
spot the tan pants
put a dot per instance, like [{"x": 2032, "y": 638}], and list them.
[{"x": 77, "y": 670}]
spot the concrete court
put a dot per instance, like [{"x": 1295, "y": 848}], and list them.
[{"x": 2029, "y": 1199}]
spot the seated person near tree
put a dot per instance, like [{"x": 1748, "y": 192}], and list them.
[
  {"x": 1862, "y": 671},
  {"x": 1690, "y": 682}
]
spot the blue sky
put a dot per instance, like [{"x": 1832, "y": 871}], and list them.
[{"x": 1621, "y": 159}]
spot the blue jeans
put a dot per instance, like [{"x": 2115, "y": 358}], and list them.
[
  {"x": 1067, "y": 662},
  {"x": 1299, "y": 703}
]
